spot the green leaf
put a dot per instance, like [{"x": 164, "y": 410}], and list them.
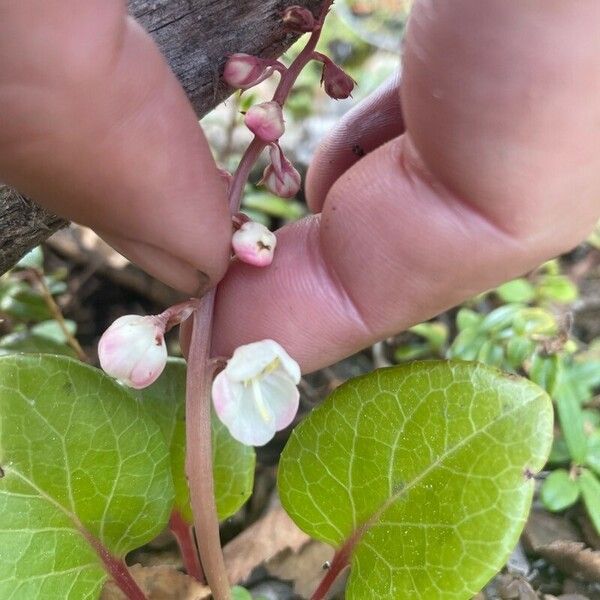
[
  {"x": 593, "y": 452},
  {"x": 233, "y": 463},
  {"x": 570, "y": 417},
  {"x": 25, "y": 304},
  {"x": 28, "y": 343},
  {"x": 411, "y": 352},
  {"x": 590, "y": 490},
  {"x": 81, "y": 465},
  {"x": 240, "y": 593},
  {"x": 500, "y": 318},
  {"x": 53, "y": 331},
  {"x": 518, "y": 349},
  {"x": 466, "y": 344},
  {"x": 467, "y": 319},
  {"x": 535, "y": 321},
  {"x": 557, "y": 288},
  {"x": 435, "y": 333},
  {"x": 34, "y": 259},
  {"x": 491, "y": 354},
  {"x": 424, "y": 470},
  {"x": 559, "y": 491},
  {"x": 560, "y": 452},
  {"x": 518, "y": 290},
  {"x": 545, "y": 371}
]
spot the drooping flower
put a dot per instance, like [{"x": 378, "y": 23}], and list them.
[
  {"x": 265, "y": 120},
  {"x": 254, "y": 244},
  {"x": 244, "y": 71},
  {"x": 256, "y": 394},
  {"x": 299, "y": 19},
  {"x": 337, "y": 83},
  {"x": 280, "y": 177},
  {"x": 133, "y": 350}
]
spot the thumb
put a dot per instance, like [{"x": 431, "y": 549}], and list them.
[{"x": 110, "y": 141}]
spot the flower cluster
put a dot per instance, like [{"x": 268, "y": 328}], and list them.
[{"x": 256, "y": 394}]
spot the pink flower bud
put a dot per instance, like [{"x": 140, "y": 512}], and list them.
[
  {"x": 338, "y": 84},
  {"x": 244, "y": 71},
  {"x": 254, "y": 244},
  {"x": 299, "y": 19},
  {"x": 133, "y": 350},
  {"x": 265, "y": 120},
  {"x": 256, "y": 394},
  {"x": 280, "y": 177}
]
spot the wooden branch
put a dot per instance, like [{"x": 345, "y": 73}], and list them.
[{"x": 196, "y": 36}]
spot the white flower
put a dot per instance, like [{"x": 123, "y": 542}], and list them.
[
  {"x": 256, "y": 394},
  {"x": 133, "y": 350}
]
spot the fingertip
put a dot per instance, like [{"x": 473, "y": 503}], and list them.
[{"x": 368, "y": 125}]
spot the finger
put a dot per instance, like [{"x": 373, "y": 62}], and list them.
[
  {"x": 392, "y": 248},
  {"x": 367, "y": 126},
  {"x": 114, "y": 144},
  {"x": 503, "y": 173}
]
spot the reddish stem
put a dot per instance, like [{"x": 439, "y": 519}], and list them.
[
  {"x": 184, "y": 534},
  {"x": 201, "y": 370},
  {"x": 199, "y": 449},
  {"x": 281, "y": 93},
  {"x": 340, "y": 561},
  {"x": 117, "y": 569}
]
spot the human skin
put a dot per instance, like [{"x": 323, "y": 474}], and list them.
[{"x": 482, "y": 163}]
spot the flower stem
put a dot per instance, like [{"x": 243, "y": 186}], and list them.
[
  {"x": 199, "y": 449},
  {"x": 184, "y": 534},
  {"x": 201, "y": 369},
  {"x": 340, "y": 561},
  {"x": 117, "y": 569},
  {"x": 57, "y": 315}
]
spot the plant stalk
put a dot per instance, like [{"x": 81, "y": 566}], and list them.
[
  {"x": 117, "y": 569},
  {"x": 184, "y": 535},
  {"x": 201, "y": 369}
]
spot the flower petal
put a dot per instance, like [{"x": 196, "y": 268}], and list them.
[
  {"x": 282, "y": 397},
  {"x": 236, "y": 406},
  {"x": 249, "y": 360}
]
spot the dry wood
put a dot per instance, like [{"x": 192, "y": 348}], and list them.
[{"x": 196, "y": 36}]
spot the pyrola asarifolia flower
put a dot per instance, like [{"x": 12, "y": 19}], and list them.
[
  {"x": 338, "y": 84},
  {"x": 256, "y": 394},
  {"x": 280, "y": 177},
  {"x": 298, "y": 19},
  {"x": 265, "y": 120},
  {"x": 254, "y": 244},
  {"x": 244, "y": 71},
  {"x": 133, "y": 350}
]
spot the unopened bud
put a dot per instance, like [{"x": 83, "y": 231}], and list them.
[
  {"x": 338, "y": 84},
  {"x": 299, "y": 19},
  {"x": 265, "y": 120},
  {"x": 280, "y": 177},
  {"x": 254, "y": 244},
  {"x": 244, "y": 71},
  {"x": 133, "y": 350}
]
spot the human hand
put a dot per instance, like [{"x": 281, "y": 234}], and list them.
[{"x": 496, "y": 170}]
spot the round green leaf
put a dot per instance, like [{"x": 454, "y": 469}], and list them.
[
  {"x": 233, "y": 462},
  {"x": 425, "y": 469},
  {"x": 80, "y": 466},
  {"x": 517, "y": 290},
  {"x": 559, "y": 491}
]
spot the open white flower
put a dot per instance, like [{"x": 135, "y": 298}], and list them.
[{"x": 256, "y": 394}]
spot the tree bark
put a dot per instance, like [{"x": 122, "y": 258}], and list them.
[{"x": 196, "y": 36}]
